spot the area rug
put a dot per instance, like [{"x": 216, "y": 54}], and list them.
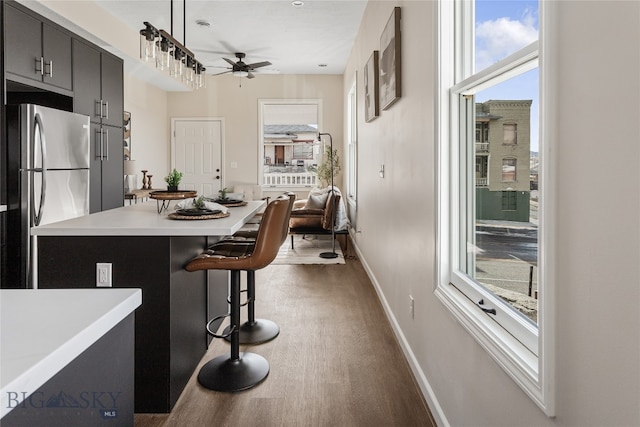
[{"x": 307, "y": 250}]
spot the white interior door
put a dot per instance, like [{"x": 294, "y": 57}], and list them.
[{"x": 197, "y": 153}]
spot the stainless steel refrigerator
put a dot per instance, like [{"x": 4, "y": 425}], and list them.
[{"x": 48, "y": 179}]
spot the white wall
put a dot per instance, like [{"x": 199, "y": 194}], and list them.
[
  {"x": 595, "y": 131},
  {"x": 236, "y": 100},
  {"x": 149, "y": 136}
]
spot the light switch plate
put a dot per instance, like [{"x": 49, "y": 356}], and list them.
[{"x": 103, "y": 275}]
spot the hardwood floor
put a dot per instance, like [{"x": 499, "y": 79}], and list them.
[{"x": 336, "y": 361}]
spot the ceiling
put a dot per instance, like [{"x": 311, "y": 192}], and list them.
[{"x": 315, "y": 38}]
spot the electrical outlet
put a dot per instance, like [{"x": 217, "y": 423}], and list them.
[
  {"x": 103, "y": 274},
  {"x": 411, "y": 306}
]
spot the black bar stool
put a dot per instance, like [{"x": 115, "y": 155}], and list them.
[{"x": 254, "y": 331}]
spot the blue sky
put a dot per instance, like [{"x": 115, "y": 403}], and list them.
[{"x": 502, "y": 28}]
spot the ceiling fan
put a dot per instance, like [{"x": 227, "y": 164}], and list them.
[{"x": 240, "y": 69}]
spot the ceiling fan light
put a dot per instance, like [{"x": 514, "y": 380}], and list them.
[{"x": 240, "y": 73}]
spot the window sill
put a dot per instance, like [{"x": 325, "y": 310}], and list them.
[{"x": 514, "y": 358}]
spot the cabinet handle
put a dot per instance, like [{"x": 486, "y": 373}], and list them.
[
  {"x": 106, "y": 109},
  {"x": 40, "y": 65},
  {"x": 50, "y": 73},
  {"x": 98, "y": 109},
  {"x": 106, "y": 145}
]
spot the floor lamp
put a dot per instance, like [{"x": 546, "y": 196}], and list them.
[{"x": 333, "y": 253}]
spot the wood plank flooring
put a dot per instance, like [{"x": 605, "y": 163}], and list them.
[{"x": 336, "y": 361}]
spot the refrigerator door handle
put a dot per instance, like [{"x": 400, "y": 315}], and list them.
[
  {"x": 99, "y": 144},
  {"x": 38, "y": 130},
  {"x": 106, "y": 145}
]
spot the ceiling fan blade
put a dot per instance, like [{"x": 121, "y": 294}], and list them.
[
  {"x": 224, "y": 72},
  {"x": 250, "y": 75},
  {"x": 229, "y": 61},
  {"x": 259, "y": 64}
]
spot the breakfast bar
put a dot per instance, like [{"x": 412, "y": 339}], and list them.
[{"x": 147, "y": 250}]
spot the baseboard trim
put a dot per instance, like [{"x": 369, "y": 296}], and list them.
[{"x": 423, "y": 382}]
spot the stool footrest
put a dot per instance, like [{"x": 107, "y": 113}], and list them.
[
  {"x": 247, "y": 301},
  {"x": 225, "y": 334},
  {"x": 258, "y": 332}
]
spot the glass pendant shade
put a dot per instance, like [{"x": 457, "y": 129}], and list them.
[
  {"x": 165, "y": 56},
  {"x": 176, "y": 69},
  {"x": 188, "y": 71},
  {"x": 148, "y": 46}
]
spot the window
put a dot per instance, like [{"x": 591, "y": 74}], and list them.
[
  {"x": 509, "y": 201},
  {"x": 303, "y": 151},
  {"x": 352, "y": 147},
  {"x": 510, "y": 132},
  {"x": 490, "y": 92},
  {"x": 509, "y": 170},
  {"x": 289, "y": 149},
  {"x": 482, "y": 131}
]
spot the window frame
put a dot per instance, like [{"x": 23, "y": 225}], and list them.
[
  {"x": 352, "y": 145},
  {"x": 514, "y": 131},
  {"x": 261, "y": 146},
  {"x": 534, "y": 370},
  {"x": 510, "y": 161}
]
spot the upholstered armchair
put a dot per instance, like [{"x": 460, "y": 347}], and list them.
[{"x": 314, "y": 214}]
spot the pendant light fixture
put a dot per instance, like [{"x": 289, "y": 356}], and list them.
[{"x": 170, "y": 56}]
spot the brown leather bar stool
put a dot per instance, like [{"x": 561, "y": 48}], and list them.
[
  {"x": 254, "y": 331},
  {"x": 240, "y": 371}
]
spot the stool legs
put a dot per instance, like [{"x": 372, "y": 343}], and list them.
[
  {"x": 237, "y": 371},
  {"x": 254, "y": 331}
]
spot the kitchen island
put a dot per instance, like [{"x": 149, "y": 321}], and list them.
[
  {"x": 67, "y": 356},
  {"x": 147, "y": 250}
]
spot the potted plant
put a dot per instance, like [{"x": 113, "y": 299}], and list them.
[
  {"x": 222, "y": 194},
  {"x": 324, "y": 170},
  {"x": 173, "y": 180}
]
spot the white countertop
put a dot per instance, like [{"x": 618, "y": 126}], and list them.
[
  {"x": 43, "y": 330},
  {"x": 142, "y": 219}
]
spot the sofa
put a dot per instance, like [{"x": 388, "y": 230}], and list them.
[{"x": 317, "y": 214}]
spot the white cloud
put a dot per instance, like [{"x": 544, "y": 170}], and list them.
[{"x": 497, "y": 39}]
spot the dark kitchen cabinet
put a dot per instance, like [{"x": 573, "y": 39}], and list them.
[
  {"x": 36, "y": 52},
  {"x": 106, "y": 176},
  {"x": 98, "y": 93},
  {"x": 98, "y": 84},
  {"x": 112, "y": 90}
]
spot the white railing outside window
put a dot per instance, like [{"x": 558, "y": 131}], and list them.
[{"x": 293, "y": 179}]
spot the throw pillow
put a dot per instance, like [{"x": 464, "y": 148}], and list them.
[{"x": 317, "y": 201}]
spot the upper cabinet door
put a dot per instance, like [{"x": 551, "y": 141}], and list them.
[
  {"x": 36, "y": 51},
  {"x": 112, "y": 90},
  {"x": 56, "y": 53},
  {"x": 23, "y": 44},
  {"x": 86, "y": 81}
]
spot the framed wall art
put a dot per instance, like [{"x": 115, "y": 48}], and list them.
[
  {"x": 371, "y": 88},
  {"x": 390, "y": 61},
  {"x": 126, "y": 124}
]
